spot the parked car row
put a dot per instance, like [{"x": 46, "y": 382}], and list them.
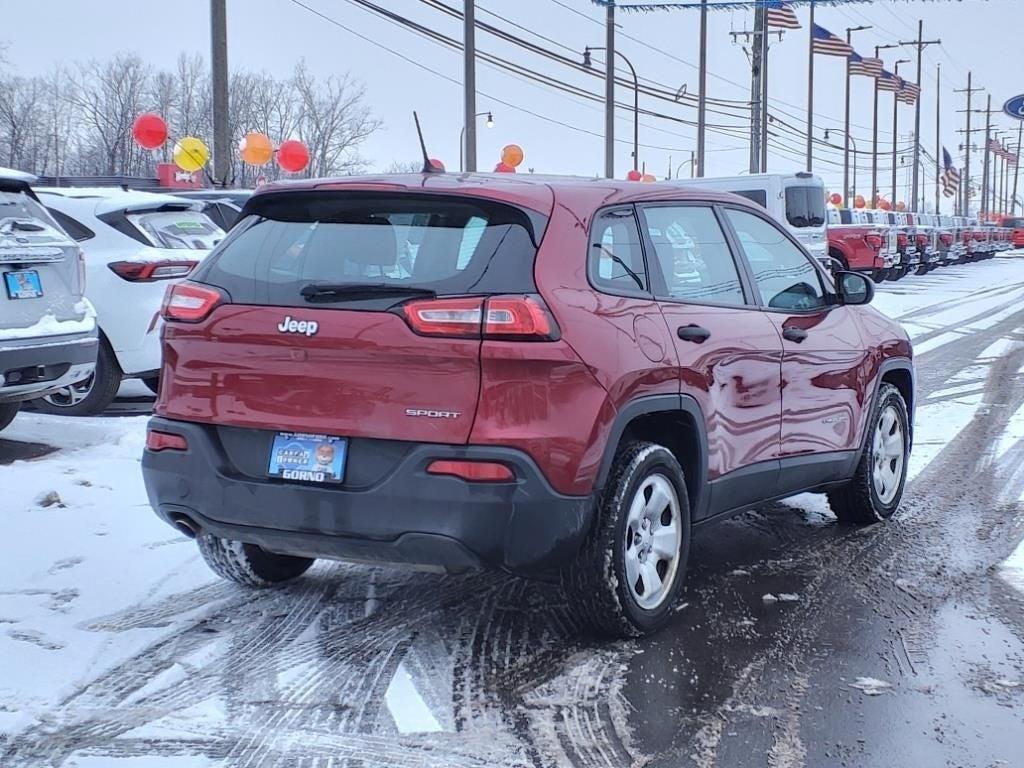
[
  {"x": 889, "y": 245},
  {"x": 85, "y": 271}
]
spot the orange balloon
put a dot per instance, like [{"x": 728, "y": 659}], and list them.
[
  {"x": 858, "y": 201},
  {"x": 512, "y": 155},
  {"x": 901, "y": 206},
  {"x": 648, "y": 178},
  {"x": 256, "y": 149}
]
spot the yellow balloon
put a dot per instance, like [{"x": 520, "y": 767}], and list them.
[{"x": 190, "y": 154}]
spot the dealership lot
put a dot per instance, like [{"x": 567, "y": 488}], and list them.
[{"x": 796, "y": 638}]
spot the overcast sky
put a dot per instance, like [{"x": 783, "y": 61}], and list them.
[{"x": 561, "y": 133}]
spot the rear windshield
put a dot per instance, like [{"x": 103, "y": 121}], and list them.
[
  {"x": 758, "y": 196},
  {"x": 1014, "y": 223},
  {"x": 451, "y": 246},
  {"x": 179, "y": 230},
  {"x": 24, "y": 221},
  {"x": 805, "y": 206}
]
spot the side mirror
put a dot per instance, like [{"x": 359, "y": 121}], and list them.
[{"x": 854, "y": 288}]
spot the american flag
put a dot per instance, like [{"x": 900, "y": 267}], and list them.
[
  {"x": 828, "y": 44},
  {"x": 866, "y": 67},
  {"x": 781, "y": 16},
  {"x": 996, "y": 147},
  {"x": 887, "y": 81},
  {"x": 909, "y": 92},
  {"x": 951, "y": 176}
]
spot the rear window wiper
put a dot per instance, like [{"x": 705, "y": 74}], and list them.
[{"x": 327, "y": 292}]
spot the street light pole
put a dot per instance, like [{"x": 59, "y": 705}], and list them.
[
  {"x": 636, "y": 94},
  {"x": 895, "y": 126},
  {"x": 846, "y": 123},
  {"x": 469, "y": 82},
  {"x": 462, "y": 133},
  {"x": 609, "y": 94}
]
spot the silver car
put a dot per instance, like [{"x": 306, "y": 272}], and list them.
[{"x": 48, "y": 336}]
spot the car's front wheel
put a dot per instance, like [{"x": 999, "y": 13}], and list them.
[
  {"x": 874, "y": 492},
  {"x": 248, "y": 564},
  {"x": 629, "y": 571},
  {"x": 90, "y": 396},
  {"x": 7, "y": 413}
]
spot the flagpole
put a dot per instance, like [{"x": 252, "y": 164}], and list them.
[
  {"x": 895, "y": 126},
  {"x": 810, "y": 91},
  {"x": 874, "y": 145},
  {"x": 1016, "y": 168},
  {"x": 985, "y": 166},
  {"x": 938, "y": 135},
  {"x": 846, "y": 132}
]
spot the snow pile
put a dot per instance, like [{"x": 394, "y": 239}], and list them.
[
  {"x": 871, "y": 686},
  {"x": 49, "y": 325}
]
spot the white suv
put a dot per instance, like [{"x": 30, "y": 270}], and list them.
[{"x": 135, "y": 244}]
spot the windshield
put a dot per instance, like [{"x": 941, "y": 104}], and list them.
[
  {"x": 805, "y": 206},
  {"x": 22, "y": 217},
  {"x": 178, "y": 230},
  {"x": 387, "y": 244}
]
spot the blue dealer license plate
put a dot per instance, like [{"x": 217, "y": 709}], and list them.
[
  {"x": 308, "y": 458},
  {"x": 23, "y": 285}
]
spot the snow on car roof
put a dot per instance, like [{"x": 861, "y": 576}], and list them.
[
  {"x": 110, "y": 199},
  {"x": 11, "y": 173}
]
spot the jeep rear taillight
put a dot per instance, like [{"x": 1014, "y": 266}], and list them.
[
  {"x": 509, "y": 318},
  {"x": 148, "y": 271},
  {"x": 189, "y": 302}
]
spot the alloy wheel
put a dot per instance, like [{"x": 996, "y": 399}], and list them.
[
  {"x": 889, "y": 454},
  {"x": 653, "y": 537}
]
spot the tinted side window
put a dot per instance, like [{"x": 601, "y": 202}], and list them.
[
  {"x": 784, "y": 275},
  {"x": 73, "y": 227},
  {"x": 693, "y": 255},
  {"x": 758, "y": 196},
  {"x": 616, "y": 258}
]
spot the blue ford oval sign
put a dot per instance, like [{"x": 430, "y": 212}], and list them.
[{"x": 1015, "y": 107}]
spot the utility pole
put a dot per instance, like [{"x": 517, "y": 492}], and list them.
[
  {"x": 764, "y": 95},
  {"x": 702, "y": 104},
  {"x": 219, "y": 73},
  {"x": 469, "y": 81},
  {"x": 1016, "y": 168},
  {"x": 965, "y": 209},
  {"x": 938, "y": 136},
  {"x": 756, "y": 106},
  {"x": 609, "y": 93},
  {"x": 810, "y": 91},
  {"x": 895, "y": 127},
  {"x": 920, "y": 44},
  {"x": 846, "y": 124},
  {"x": 985, "y": 171},
  {"x": 874, "y": 135}
]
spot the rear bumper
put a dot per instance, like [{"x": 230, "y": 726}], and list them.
[
  {"x": 403, "y": 516},
  {"x": 31, "y": 368}
]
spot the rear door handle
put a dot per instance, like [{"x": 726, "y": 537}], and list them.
[
  {"x": 794, "y": 334},
  {"x": 693, "y": 333}
]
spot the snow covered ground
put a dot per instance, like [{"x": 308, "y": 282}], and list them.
[{"x": 90, "y": 578}]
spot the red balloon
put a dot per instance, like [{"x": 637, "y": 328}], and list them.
[
  {"x": 149, "y": 130},
  {"x": 836, "y": 198},
  {"x": 634, "y": 175},
  {"x": 504, "y": 168},
  {"x": 436, "y": 164},
  {"x": 292, "y": 156}
]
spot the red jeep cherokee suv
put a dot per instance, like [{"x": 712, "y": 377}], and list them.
[{"x": 548, "y": 377}]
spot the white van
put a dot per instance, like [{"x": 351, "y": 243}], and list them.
[{"x": 796, "y": 200}]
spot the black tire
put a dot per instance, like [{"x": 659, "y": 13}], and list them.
[
  {"x": 248, "y": 564},
  {"x": 858, "y": 501},
  {"x": 99, "y": 390},
  {"x": 7, "y": 413},
  {"x": 897, "y": 273},
  {"x": 152, "y": 384},
  {"x": 923, "y": 269},
  {"x": 880, "y": 275},
  {"x": 596, "y": 582}
]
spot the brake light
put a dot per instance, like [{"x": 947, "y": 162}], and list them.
[
  {"x": 189, "y": 302},
  {"x": 874, "y": 242},
  {"x": 165, "y": 441},
  {"x": 472, "y": 471},
  {"x": 524, "y": 318},
  {"x": 148, "y": 271}
]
